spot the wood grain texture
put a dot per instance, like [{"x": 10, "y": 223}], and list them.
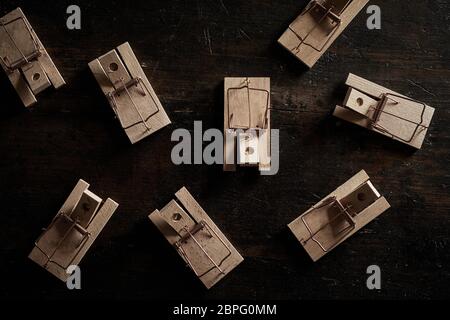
[
  {"x": 137, "y": 106},
  {"x": 23, "y": 41},
  {"x": 76, "y": 240},
  {"x": 219, "y": 257},
  {"x": 246, "y": 122},
  {"x": 400, "y": 118},
  {"x": 186, "y": 49},
  {"x": 324, "y": 232},
  {"x": 315, "y": 29}
]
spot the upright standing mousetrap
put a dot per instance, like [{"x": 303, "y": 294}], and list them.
[
  {"x": 129, "y": 93},
  {"x": 384, "y": 111},
  {"x": 247, "y": 123},
  {"x": 197, "y": 239},
  {"x": 318, "y": 26},
  {"x": 24, "y": 59},
  {"x": 338, "y": 216},
  {"x": 73, "y": 230}
]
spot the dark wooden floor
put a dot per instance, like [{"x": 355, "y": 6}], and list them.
[{"x": 186, "y": 49}]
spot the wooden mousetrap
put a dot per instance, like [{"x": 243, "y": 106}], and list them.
[
  {"x": 318, "y": 26},
  {"x": 338, "y": 216},
  {"x": 197, "y": 239},
  {"x": 129, "y": 93},
  {"x": 247, "y": 123},
  {"x": 384, "y": 111},
  {"x": 24, "y": 58},
  {"x": 73, "y": 230}
]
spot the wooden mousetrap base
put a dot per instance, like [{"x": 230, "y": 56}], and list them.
[
  {"x": 198, "y": 240},
  {"x": 318, "y": 26},
  {"x": 338, "y": 216}
]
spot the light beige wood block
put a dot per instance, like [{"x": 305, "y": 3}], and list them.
[
  {"x": 338, "y": 216},
  {"x": 129, "y": 93},
  {"x": 73, "y": 230},
  {"x": 25, "y": 59},
  {"x": 197, "y": 239},
  {"x": 247, "y": 123},
  {"x": 318, "y": 26},
  {"x": 382, "y": 110}
]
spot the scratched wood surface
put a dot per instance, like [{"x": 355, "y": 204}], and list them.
[{"x": 186, "y": 48}]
